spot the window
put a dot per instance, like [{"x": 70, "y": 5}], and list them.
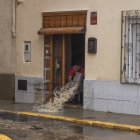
[
  {"x": 27, "y": 51},
  {"x": 130, "y": 68}
]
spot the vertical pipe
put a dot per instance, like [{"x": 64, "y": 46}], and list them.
[
  {"x": 13, "y": 33},
  {"x": 14, "y": 18}
]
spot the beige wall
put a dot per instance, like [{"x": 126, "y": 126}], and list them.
[
  {"x": 7, "y": 59},
  {"x": 105, "y": 65}
]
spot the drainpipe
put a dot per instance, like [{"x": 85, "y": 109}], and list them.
[
  {"x": 13, "y": 32},
  {"x": 13, "y": 36},
  {"x": 14, "y": 18}
]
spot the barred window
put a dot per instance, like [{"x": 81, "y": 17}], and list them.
[{"x": 130, "y": 48}]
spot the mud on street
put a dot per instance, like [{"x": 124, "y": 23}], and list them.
[{"x": 19, "y": 127}]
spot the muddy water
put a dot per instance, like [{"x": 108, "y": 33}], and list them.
[
  {"x": 31, "y": 128},
  {"x": 63, "y": 95}
]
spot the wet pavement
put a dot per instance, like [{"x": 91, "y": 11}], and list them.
[
  {"x": 76, "y": 111},
  {"x": 20, "y": 127}
]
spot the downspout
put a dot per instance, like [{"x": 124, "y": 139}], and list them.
[
  {"x": 13, "y": 50},
  {"x": 13, "y": 34},
  {"x": 14, "y": 18}
]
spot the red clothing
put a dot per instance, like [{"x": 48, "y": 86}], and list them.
[{"x": 72, "y": 71}]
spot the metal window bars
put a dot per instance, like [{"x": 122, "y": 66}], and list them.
[{"x": 130, "y": 47}]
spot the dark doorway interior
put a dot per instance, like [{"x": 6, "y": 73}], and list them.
[
  {"x": 78, "y": 49},
  {"x": 77, "y": 56}
]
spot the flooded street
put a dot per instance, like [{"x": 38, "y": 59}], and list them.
[{"x": 19, "y": 127}]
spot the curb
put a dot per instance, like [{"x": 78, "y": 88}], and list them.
[
  {"x": 4, "y": 137},
  {"x": 103, "y": 124}
]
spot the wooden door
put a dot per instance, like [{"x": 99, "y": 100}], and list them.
[
  {"x": 48, "y": 64},
  {"x": 57, "y": 69},
  {"x": 56, "y": 61}
]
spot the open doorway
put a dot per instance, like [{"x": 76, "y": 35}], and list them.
[
  {"x": 76, "y": 56},
  {"x": 78, "y": 49},
  {"x": 61, "y": 52},
  {"x": 64, "y": 45}
]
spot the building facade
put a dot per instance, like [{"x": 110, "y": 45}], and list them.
[
  {"x": 7, "y": 49},
  {"x": 102, "y": 36}
]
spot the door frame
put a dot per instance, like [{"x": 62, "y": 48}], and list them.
[{"x": 49, "y": 82}]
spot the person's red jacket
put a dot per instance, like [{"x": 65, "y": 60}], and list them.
[{"x": 72, "y": 71}]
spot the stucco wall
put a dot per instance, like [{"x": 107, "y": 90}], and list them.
[
  {"x": 105, "y": 65},
  {"x": 7, "y": 51},
  {"x": 7, "y": 59}
]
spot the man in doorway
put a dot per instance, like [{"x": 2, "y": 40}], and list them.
[
  {"x": 74, "y": 70},
  {"x": 76, "y": 74}
]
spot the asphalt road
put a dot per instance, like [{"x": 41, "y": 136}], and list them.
[{"x": 29, "y": 128}]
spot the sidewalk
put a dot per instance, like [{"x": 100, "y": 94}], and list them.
[{"x": 79, "y": 115}]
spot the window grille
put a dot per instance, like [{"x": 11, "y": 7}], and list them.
[{"x": 130, "y": 48}]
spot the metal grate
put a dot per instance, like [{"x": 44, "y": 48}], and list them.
[{"x": 130, "y": 70}]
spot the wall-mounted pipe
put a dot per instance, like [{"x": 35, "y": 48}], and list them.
[
  {"x": 14, "y": 18},
  {"x": 19, "y": 2}
]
